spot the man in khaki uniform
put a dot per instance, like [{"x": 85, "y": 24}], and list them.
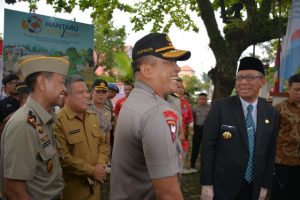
[
  {"x": 82, "y": 150},
  {"x": 29, "y": 165}
]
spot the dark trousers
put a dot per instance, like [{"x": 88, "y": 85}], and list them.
[
  {"x": 245, "y": 192},
  {"x": 286, "y": 183},
  {"x": 112, "y": 137},
  {"x": 197, "y": 138}
]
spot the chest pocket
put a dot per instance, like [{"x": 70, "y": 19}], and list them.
[
  {"x": 97, "y": 134},
  {"x": 74, "y": 138},
  {"x": 47, "y": 154}
]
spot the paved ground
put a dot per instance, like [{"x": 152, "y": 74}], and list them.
[{"x": 190, "y": 184}]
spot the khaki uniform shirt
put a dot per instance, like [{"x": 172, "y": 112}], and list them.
[
  {"x": 80, "y": 148},
  {"x": 146, "y": 145},
  {"x": 288, "y": 140},
  {"x": 28, "y": 152},
  {"x": 104, "y": 116},
  {"x": 200, "y": 113}
]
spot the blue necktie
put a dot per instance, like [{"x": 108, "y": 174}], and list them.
[{"x": 251, "y": 140}]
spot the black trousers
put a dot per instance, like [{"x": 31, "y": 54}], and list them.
[
  {"x": 112, "y": 137},
  {"x": 245, "y": 192},
  {"x": 197, "y": 138},
  {"x": 286, "y": 183}
]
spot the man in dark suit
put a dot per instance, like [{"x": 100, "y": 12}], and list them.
[{"x": 239, "y": 140}]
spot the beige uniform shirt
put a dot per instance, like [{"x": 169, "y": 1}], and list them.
[
  {"x": 80, "y": 148},
  {"x": 28, "y": 152}
]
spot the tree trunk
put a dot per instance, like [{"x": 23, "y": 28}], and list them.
[{"x": 222, "y": 77}]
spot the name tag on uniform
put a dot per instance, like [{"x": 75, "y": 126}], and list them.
[
  {"x": 228, "y": 127},
  {"x": 46, "y": 144},
  {"x": 74, "y": 131}
]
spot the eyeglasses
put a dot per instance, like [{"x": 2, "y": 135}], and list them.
[
  {"x": 248, "y": 77},
  {"x": 101, "y": 91}
]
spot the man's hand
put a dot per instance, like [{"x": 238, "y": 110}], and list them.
[
  {"x": 100, "y": 173},
  {"x": 191, "y": 129},
  {"x": 207, "y": 192},
  {"x": 263, "y": 194}
]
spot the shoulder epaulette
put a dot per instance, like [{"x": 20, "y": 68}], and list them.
[
  {"x": 31, "y": 119},
  {"x": 107, "y": 107},
  {"x": 91, "y": 111}
]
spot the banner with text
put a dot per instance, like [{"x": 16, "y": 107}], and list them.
[{"x": 28, "y": 34}]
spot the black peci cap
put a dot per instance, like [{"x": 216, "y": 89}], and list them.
[
  {"x": 251, "y": 63},
  {"x": 158, "y": 45}
]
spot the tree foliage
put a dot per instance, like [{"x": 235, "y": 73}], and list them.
[
  {"x": 107, "y": 41},
  {"x": 124, "y": 67},
  {"x": 194, "y": 85},
  {"x": 245, "y": 22}
]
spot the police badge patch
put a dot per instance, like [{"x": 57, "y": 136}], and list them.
[
  {"x": 171, "y": 119},
  {"x": 173, "y": 129}
]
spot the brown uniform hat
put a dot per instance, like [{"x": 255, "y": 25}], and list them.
[{"x": 37, "y": 63}]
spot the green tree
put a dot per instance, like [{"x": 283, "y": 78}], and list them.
[
  {"x": 245, "y": 22},
  {"x": 89, "y": 57},
  {"x": 108, "y": 40},
  {"x": 193, "y": 84},
  {"x": 124, "y": 67}
]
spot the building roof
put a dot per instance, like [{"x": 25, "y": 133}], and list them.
[{"x": 187, "y": 68}]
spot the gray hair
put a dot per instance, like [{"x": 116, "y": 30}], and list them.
[
  {"x": 69, "y": 80},
  {"x": 144, "y": 59}
]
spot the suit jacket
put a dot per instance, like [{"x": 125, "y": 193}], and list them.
[{"x": 224, "y": 161}]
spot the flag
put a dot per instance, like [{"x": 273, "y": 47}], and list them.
[
  {"x": 290, "y": 55},
  {"x": 275, "y": 76}
]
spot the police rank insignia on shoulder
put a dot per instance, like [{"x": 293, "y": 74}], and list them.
[
  {"x": 39, "y": 128},
  {"x": 171, "y": 119},
  {"x": 31, "y": 119}
]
